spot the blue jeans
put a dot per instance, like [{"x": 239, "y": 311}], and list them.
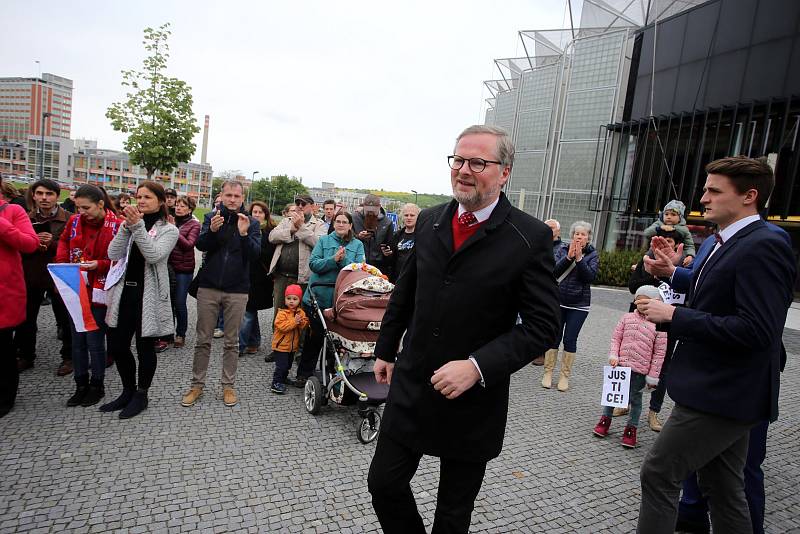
[
  {"x": 182, "y": 281},
  {"x": 90, "y": 347},
  {"x": 249, "y": 331},
  {"x": 571, "y": 324},
  {"x": 638, "y": 382}
]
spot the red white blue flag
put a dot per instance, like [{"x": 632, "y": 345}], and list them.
[{"x": 74, "y": 292}]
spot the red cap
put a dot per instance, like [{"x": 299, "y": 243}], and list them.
[{"x": 295, "y": 290}]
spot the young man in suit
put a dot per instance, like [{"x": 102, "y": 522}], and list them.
[
  {"x": 724, "y": 375},
  {"x": 458, "y": 298}
]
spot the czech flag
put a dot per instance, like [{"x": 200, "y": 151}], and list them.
[{"x": 71, "y": 286}]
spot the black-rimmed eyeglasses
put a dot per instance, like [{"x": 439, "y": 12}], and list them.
[{"x": 475, "y": 164}]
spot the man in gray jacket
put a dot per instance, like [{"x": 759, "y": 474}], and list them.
[{"x": 294, "y": 237}]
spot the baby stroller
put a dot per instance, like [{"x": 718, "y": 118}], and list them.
[{"x": 344, "y": 374}]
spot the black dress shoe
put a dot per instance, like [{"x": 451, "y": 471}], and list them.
[
  {"x": 93, "y": 396},
  {"x": 692, "y": 527},
  {"x": 77, "y": 398}
]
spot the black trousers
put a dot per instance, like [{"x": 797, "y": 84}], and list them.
[
  {"x": 312, "y": 345},
  {"x": 657, "y": 396},
  {"x": 390, "y": 474},
  {"x": 9, "y": 376},
  {"x": 129, "y": 323},
  {"x": 25, "y": 334}
]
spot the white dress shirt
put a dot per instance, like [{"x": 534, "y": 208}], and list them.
[{"x": 482, "y": 214}]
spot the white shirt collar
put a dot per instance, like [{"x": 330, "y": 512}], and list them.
[
  {"x": 483, "y": 213},
  {"x": 731, "y": 229}
]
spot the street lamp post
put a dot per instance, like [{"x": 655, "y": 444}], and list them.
[
  {"x": 415, "y": 196},
  {"x": 45, "y": 114},
  {"x": 250, "y": 191}
]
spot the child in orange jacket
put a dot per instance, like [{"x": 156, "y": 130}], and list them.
[{"x": 289, "y": 324}]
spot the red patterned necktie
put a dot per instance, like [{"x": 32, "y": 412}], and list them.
[
  {"x": 467, "y": 219},
  {"x": 719, "y": 239}
]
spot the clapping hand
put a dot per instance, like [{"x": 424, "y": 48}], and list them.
[
  {"x": 575, "y": 250},
  {"x": 45, "y": 238},
  {"x": 339, "y": 256},
  {"x": 243, "y": 223},
  {"x": 297, "y": 218},
  {"x": 132, "y": 215},
  {"x": 216, "y": 222},
  {"x": 663, "y": 265}
]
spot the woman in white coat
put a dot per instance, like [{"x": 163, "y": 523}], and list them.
[{"x": 138, "y": 301}]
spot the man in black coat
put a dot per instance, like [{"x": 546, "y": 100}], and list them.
[
  {"x": 476, "y": 264},
  {"x": 724, "y": 375}
]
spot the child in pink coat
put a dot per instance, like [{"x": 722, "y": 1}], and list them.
[{"x": 637, "y": 344}]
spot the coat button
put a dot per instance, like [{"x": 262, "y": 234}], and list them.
[
  {"x": 435, "y": 332},
  {"x": 448, "y": 281}
]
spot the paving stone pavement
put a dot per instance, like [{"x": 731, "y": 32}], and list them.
[{"x": 267, "y": 466}]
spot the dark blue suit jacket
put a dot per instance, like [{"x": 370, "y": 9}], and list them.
[{"x": 727, "y": 361}]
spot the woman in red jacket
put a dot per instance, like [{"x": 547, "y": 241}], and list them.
[
  {"x": 16, "y": 236},
  {"x": 182, "y": 262},
  {"x": 85, "y": 240}
]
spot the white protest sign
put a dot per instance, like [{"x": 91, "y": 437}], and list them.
[
  {"x": 616, "y": 386},
  {"x": 669, "y": 296}
]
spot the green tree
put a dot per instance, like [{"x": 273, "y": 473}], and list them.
[
  {"x": 216, "y": 187},
  {"x": 277, "y": 191},
  {"x": 157, "y": 112}
]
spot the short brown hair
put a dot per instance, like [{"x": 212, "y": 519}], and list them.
[
  {"x": 190, "y": 202},
  {"x": 746, "y": 174}
]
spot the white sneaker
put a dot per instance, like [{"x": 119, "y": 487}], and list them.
[{"x": 218, "y": 333}]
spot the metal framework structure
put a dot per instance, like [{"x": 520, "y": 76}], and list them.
[{"x": 556, "y": 99}]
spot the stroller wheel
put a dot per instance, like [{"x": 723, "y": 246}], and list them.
[
  {"x": 312, "y": 395},
  {"x": 369, "y": 427}
]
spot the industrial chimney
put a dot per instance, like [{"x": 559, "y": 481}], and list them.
[{"x": 204, "y": 154}]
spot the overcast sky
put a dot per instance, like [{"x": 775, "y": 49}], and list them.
[{"x": 360, "y": 93}]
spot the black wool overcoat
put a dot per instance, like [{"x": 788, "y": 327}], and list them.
[{"x": 462, "y": 304}]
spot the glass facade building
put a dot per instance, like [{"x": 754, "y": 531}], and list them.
[{"x": 557, "y": 100}]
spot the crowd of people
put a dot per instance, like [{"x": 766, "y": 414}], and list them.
[
  {"x": 704, "y": 325},
  {"x": 137, "y": 257}
]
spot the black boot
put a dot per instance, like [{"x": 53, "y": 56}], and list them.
[
  {"x": 95, "y": 393},
  {"x": 137, "y": 405},
  {"x": 118, "y": 403},
  {"x": 82, "y": 387}
]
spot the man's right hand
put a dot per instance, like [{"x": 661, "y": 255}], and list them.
[
  {"x": 364, "y": 234},
  {"x": 383, "y": 371},
  {"x": 297, "y": 219},
  {"x": 666, "y": 259},
  {"x": 216, "y": 222}
]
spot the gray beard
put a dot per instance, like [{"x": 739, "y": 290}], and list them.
[{"x": 475, "y": 201}]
